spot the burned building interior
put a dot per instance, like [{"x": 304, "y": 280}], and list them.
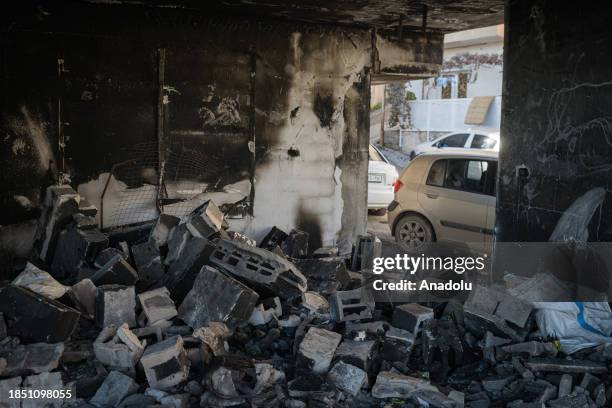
[{"x": 183, "y": 204}]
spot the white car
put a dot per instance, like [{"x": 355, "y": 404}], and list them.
[
  {"x": 381, "y": 178},
  {"x": 467, "y": 140}
]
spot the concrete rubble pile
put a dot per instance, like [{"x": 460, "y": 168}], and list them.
[{"x": 185, "y": 313}]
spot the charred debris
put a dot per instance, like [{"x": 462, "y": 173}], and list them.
[{"x": 186, "y": 313}]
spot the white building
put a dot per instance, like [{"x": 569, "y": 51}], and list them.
[{"x": 472, "y": 68}]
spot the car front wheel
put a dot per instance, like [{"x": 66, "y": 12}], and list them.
[{"x": 414, "y": 233}]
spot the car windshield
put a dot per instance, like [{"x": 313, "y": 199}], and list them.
[{"x": 374, "y": 155}]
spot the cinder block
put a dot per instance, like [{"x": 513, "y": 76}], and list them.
[
  {"x": 165, "y": 363},
  {"x": 157, "y": 305},
  {"x": 317, "y": 349},
  {"x": 352, "y": 305},
  {"x": 411, "y": 316},
  {"x": 115, "y": 305}
]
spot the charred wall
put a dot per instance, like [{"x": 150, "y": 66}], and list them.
[
  {"x": 279, "y": 104},
  {"x": 556, "y": 125}
]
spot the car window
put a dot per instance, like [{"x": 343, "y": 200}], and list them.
[
  {"x": 436, "y": 173},
  {"x": 455, "y": 174},
  {"x": 483, "y": 142},
  {"x": 456, "y": 140},
  {"x": 374, "y": 155}
]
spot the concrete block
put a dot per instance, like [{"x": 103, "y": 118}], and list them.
[
  {"x": 347, "y": 377},
  {"x": 315, "y": 302},
  {"x": 157, "y": 305},
  {"x": 205, "y": 220},
  {"x": 216, "y": 297},
  {"x": 40, "y": 282},
  {"x": 35, "y": 318},
  {"x": 296, "y": 244},
  {"x": 365, "y": 250},
  {"x": 107, "y": 254},
  {"x": 32, "y": 358},
  {"x": 411, "y": 316},
  {"x": 565, "y": 385},
  {"x": 532, "y": 348},
  {"x": 43, "y": 381},
  {"x": 115, "y": 305},
  {"x": 117, "y": 271},
  {"x": 260, "y": 268},
  {"x": 77, "y": 245},
  {"x": 165, "y": 363},
  {"x": 182, "y": 272},
  {"x": 177, "y": 239},
  {"x": 144, "y": 253},
  {"x": 317, "y": 349},
  {"x": 161, "y": 230},
  {"x": 324, "y": 275},
  {"x": 115, "y": 388},
  {"x": 60, "y": 203},
  {"x": 357, "y": 353},
  {"x": 395, "y": 385},
  {"x": 397, "y": 345},
  {"x": 83, "y": 294},
  {"x": 273, "y": 239},
  {"x": 6, "y": 385},
  {"x": 352, "y": 305},
  {"x": 118, "y": 347}
]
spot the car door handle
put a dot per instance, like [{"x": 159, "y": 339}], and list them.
[{"x": 433, "y": 196}]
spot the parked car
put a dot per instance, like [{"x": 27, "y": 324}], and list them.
[
  {"x": 466, "y": 140},
  {"x": 445, "y": 196},
  {"x": 381, "y": 178}
]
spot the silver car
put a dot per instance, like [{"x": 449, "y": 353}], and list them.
[{"x": 446, "y": 196}]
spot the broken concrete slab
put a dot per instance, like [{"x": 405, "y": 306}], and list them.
[
  {"x": 116, "y": 387},
  {"x": 165, "y": 363},
  {"x": 40, "y": 282},
  {"x": 115, "y": 305},
  {"x": 35, "y": 318},
  {"x": 117, "y": 271},
  {"x": 61, "y": 202},
  {"x": 157, "y": 305},
  {"x": 347, "y": 377},
  {"x": 317, "y": 349},
  {"x": 565, "y": 366},
  {"x": 183, "y": 271},
  {"x": 32, "y": 358},
  {"x": 216, "y": 297},
  {"x": 395, "y": 385},
  {"x": 350, "y": 305},
  {"x": 411, "y": 316},
  {"x": 118, "y": 347},
  {"x": 260, "y": 268}
]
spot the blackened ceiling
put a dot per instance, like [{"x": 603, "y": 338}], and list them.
[{"x": 439, "y": 15}]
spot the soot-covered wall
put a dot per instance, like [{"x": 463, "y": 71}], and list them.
[
  {"x": 280, "y": 105},
  {"x": 557, "y": 121}
]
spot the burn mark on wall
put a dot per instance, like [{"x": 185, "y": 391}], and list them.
[
  {"x": 324, "y": 109},
  {"x": 310, "y": 223}
]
